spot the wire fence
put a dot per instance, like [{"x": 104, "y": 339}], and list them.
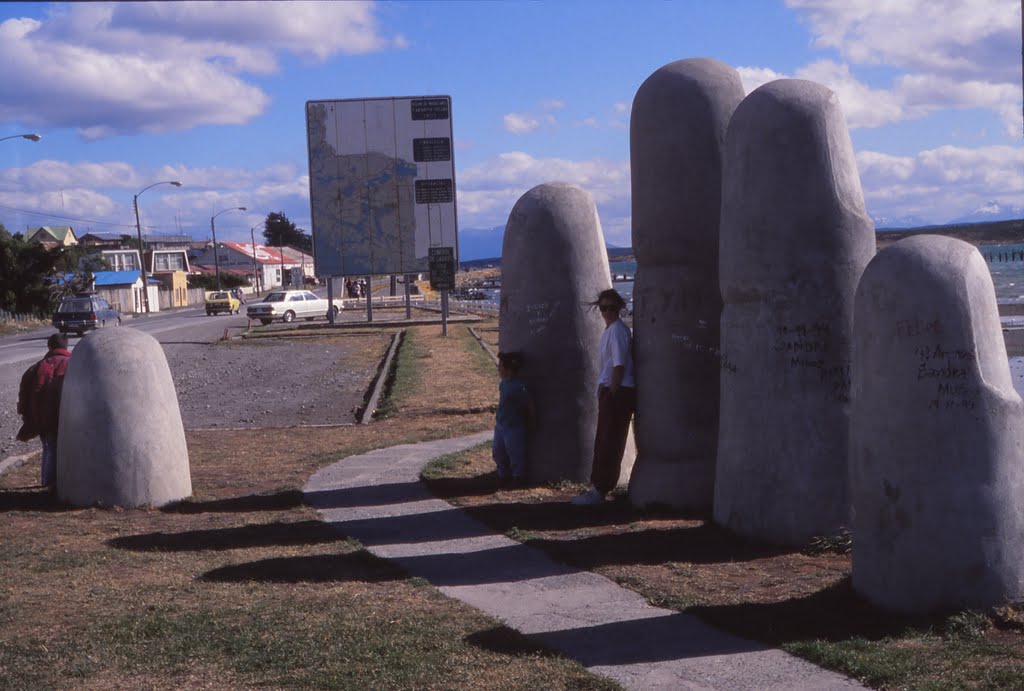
[{"x": 18, "y": 317}]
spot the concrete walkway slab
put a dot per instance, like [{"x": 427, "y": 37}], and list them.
[{"x": 377, "y": 499}]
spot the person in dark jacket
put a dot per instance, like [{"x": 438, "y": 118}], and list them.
[{"x": 41, "y": 407}]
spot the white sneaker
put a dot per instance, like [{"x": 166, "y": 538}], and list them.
[{"x": 591, "y": 497}]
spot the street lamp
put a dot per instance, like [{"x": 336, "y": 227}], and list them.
[
  {"x": 31, "y": 137},
  {"x": 138, "y": 230},
  {"x": 255, "y": 269},
  {"x": 213, "y": 230}
]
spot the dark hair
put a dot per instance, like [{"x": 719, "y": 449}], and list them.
[
  {"x": 513, "y": 362},
  {"x": 609, "y": 295},
  {"x": 57, "y": 341}
]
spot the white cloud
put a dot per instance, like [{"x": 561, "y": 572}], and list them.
[
  {"x": 553, "y": 104},
  {"x": 962, "y": 38},
  {"x": 489, "y": 190},
  {"x": 954, "y": 54},
  {"x": 124, "y": 68},
  {"x": 98, "y": 195},
  {"x": 942, "y": 183},
  {"x": 520, "y": 123}
]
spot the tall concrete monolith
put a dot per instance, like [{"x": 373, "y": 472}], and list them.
[
  {"x": 553, "y": 265},
  {"x": 121, "y": 441},
  {"x": 937, "y": 434},
  {"x": 677, "y": 129},
  {"x": 795, "y": 239}
]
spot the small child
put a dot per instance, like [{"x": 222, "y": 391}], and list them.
[{"x": 514, "y": 416}]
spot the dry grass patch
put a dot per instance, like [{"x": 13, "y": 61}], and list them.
[
  {"x": 800, "y": 601},
  {"x": 242, "y": 586}
]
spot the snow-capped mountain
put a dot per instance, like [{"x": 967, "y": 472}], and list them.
[{"x": 992, "y": 211}]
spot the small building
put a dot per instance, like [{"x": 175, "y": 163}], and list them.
[
  {"x": 52, "y": 236},
  {"x": 267, "y": 263},
  {"x": 123, "y": 290}
]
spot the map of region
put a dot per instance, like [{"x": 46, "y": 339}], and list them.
[{"x": 365, "y": 204}]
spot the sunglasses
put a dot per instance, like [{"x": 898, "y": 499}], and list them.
[{"x": 608, "y": 308}]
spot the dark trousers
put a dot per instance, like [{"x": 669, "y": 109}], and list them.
[{"x": 614, "y": 411}]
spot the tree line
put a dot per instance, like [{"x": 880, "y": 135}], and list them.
[{"x": 34, "y": 279}]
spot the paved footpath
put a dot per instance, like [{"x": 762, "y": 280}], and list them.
[{"x": 378, "y": 499}]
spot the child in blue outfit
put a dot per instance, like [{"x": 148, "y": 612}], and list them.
[{"x": 514, "y": 416}]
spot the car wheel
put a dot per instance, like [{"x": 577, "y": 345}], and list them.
[
  {"x": 265, "y": 321},
  {"x": 208, "y": 313},
  {"x": 118, "y": 322},
  {"x": 337, "y": 311},
  {"x": 288, "y": 317}
]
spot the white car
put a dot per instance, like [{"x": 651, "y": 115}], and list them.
[{"x": 288, "y": 305}]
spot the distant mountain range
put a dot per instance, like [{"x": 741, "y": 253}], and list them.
[
  {"x": 986, "y": 213},
  {"x": 985, "y": 224}
]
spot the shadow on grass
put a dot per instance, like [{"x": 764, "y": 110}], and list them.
[
  {"x": 508, "y": 641},
  {"x": 835, "y": 613},
  {"x": 278, "y": 501},
  {"x": 31, "y": 499},
  {"x": 325, "y": 568},
  {"x": 455, "y": 487},
  {"x": 701, "y": 544},
  {"x": 258, "y": 535}
]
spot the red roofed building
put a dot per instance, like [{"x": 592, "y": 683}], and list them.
[{"x": 244, "y": 258}]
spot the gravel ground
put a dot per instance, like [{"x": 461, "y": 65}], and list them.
[{"x": 250, "y": 384}]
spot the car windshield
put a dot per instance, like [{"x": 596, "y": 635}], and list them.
[
  {"x": 82, "y": 305},
  {"x": 274, "y": 297}
]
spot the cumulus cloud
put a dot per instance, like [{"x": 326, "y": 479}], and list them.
[
  {"x": 954, "y": 54},
  {"x": 520, "y": 123},
  {"x": 941, "y": 184},
  {"x": 124, "y": 68},
  {"x": 98, "y": 195},
  {"x": 488, "y": 190}
]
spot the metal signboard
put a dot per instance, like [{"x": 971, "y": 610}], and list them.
[
  {"x": 442, "y": 268},
  {"x": 381, "y": 184}
]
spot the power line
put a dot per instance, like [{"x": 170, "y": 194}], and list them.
[{"x": 67, "y": 218}]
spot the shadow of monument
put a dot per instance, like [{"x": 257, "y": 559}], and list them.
[
  {"x": 278, "y": 501},
  {"x": 32, "y": 499},
  {"x": 835, "y": 613},
  {"x": 373, "y": 495},
  {"x": 430, "y": 526},
  {"x": 504, "y": 564},
  {"x": 261, "y": 535},
  {"x": 324, "y": 568},
  {"x": 560, "y": 515},
  {"x": 454, "y": 487},
  {"x": 703, "y": 544}
]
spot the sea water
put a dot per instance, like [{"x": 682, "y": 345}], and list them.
[{"x": 1005, "y": 262}]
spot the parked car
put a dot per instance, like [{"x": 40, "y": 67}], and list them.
[
  {"x": 222, "y": 301},
  {"x": 288, "y": 305},
  {"x": 83, "y": 313}
]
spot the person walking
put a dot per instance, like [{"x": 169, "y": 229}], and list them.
[
  {"x": 616, "y": 400},
  {"x": 39, "y": 403}
]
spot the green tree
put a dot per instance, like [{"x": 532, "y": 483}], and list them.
[
  {"x": 27, "y": 269},
  {"x": 279, "y": 230}
]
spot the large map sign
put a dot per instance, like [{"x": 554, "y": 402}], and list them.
[{"x": 381, "y": 183}]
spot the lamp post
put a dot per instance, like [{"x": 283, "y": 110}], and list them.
[
  {"x": 255, "y": 269},
  {"x": 32, "y": 137},
  {"x": 213, "y": 230},
  {"x": 142, "y": 249}
]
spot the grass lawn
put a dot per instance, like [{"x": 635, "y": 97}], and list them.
[{"x": 241, "y": 586}]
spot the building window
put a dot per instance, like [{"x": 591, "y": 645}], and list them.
[{"x": 171, "y": 261}]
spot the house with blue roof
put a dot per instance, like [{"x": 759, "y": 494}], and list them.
[{"x": 123, "y": 290}]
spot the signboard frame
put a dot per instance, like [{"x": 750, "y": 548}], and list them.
[{"x": 362, "y": 218}]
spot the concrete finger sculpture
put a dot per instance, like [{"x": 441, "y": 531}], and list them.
[
  {"x": 121, "y": 441},
  {"x": 795, "y": 239},
  {"x": 937, "y": 434},
  {"x": 553, "y": 264},
  {"x": 677, "y": 129}
]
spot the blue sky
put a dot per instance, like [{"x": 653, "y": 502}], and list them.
[{"x": 212, "y": 94}]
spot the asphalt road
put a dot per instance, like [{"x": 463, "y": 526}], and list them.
[{"x": 17, "y": 352}]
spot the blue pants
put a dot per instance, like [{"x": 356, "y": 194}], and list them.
[
  {"x": 48, "y": 472},
  {"x": 509, "y": 451}
]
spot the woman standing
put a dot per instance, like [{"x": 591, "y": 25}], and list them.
[{"x": 616, "y": 400}]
